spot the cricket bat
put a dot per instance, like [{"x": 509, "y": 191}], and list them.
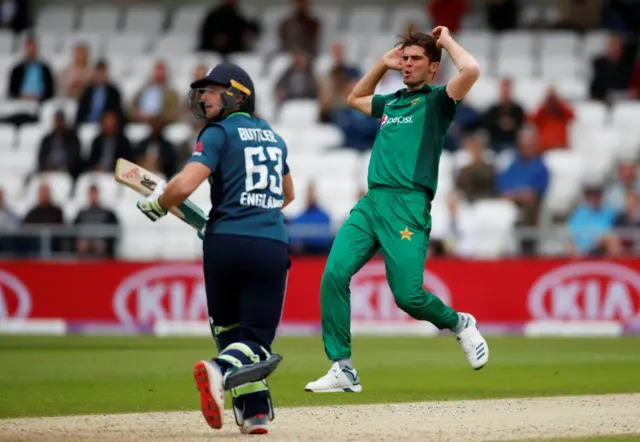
[{"x": 144, "y": 182}]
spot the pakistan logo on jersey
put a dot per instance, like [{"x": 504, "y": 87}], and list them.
[{"x": 395, "y": 120}]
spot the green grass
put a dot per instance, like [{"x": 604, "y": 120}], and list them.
[{"x": 77, "y": 375}]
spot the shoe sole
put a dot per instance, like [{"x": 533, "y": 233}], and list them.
[
  {"x": 211, "y": 411},
  {"x": 352, "y": 389},
  {"x": 256, "y": 430}
]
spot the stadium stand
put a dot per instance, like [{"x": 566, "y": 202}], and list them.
[{"x": 131, "y": 39}]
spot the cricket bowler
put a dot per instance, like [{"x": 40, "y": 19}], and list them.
[
  {"x": 245, "y": 242},
  {"x": 394, "y": 216}
]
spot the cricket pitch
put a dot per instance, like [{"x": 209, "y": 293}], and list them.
[{"x": 472, "y": 420}]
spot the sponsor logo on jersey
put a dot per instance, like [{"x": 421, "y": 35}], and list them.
[
  {"x": 587, "y": 291},
  {"x": 261, "y": 135},
  {"x": 198, "y": 149},
  {"x": 395, "y": 120}
]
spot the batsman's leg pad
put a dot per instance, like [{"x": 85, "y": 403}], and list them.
[
  {"x": 225, "y": 336},
  {"x": 246, "y": 362},
  {"x": 252, "y": 399}
]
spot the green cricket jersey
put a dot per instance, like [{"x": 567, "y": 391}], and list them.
[{"x": 408, "y": 146}]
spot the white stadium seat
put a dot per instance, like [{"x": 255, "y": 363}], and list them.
[
  {"x": 592, "y": 113},
  {"x": 12, "y": 183},
  {"x": 100, "y": 18},
  {"x": 594, "y": 44},
  {"x": 299, "y": 112},
  {"x": 318, "y": 137},
  {"x": 130, "y": 43},
  {"x": 366, "y": 19},
  {"x": 110, "y": 190},
  {"x": 187, "y": 19},
  {"x": 30, "y": 137},
  {"x": 94, "y": 41},
  {"x": 518, "y": 44},
  {"x": 252, "y": 63},
  {"x": 530, "y": 92},
  {"x": 490, "y": 228},
  {"x": 58, "y": 18},
  {"x": 626, "y": 115},
  {"x": 174, "y": 43},
  {"x": 554, "y": 66},
  {"x": 402, "y": 14},
  {"x": 146, "y": 19},
  {"x": 565, "y": 179},
  {"x": 478, "y": 43},
  {"x": 136, "y": 132},
  {"x": 516, "y": 65},
  {"x": 572, "y": 88},
  {"x": 87, "y": 132},
  {"x": 60, "y": 183},
  {"x": 6, "y": 42},
  {"x": 484, "y": 93},
  {"x": 178, "y": 133},
  {"x": 559, "y": 43}
]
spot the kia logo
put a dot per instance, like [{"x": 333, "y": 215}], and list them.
[
  {"x": 586, "y": 291},
  {"x": 14, "y": 297},
  {"x": 173, "y": 292},
  {"x": 371, "y": 296}
]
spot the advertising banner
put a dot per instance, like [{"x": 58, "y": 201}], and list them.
[{"x": 499, "y": 292}]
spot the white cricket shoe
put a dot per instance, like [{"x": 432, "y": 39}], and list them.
[
  {"x": 475, "y": 347},
  {"x": 208, "y": 377},
  {"x": 338, "y": 380}
]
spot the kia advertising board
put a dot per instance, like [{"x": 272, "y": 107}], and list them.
[{"x": 496, "y": 292}]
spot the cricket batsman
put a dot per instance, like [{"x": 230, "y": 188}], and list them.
[
  {"x": 394, "y": 216},
  {"x": 245, "y": 241}
]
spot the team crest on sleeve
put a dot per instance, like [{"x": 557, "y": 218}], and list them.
[{"x": 197, "y": 151}]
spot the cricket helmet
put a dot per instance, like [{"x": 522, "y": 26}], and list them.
[{"x": 240, "y": 92}]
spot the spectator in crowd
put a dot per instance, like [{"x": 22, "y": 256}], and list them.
[
  {"x": 466, "y": 120},
  {"x": 590, "y": 225},
  {"x": 95, "y": 215},
  {"x": 155, "y": 153},
  {"x": 339, "y": 61},
  {"x": 185, "y": 150},
  {"x": 31, "y": 79},
  {"x": 15, "y": 15},
  {"x": 298, "y": 81},
  {"x": 225, "y": 30},
  {"x": 110, "y": 144},
  {"x": 45, "y": 212},
  {"x": 60, "y": 149},
  {"x": 625, "y": 241},
  {"x": 300, "y": 30},
  {"x": 552, "y": 119},
  {"x": 634, "y": 83},
  {"x": 74, "y": 78},
  {"x": 477, "y": 180},
  {"x": 101, "y": 95},
  {"x": 156, "y": 99},
  {"x": 311, "y": 230},
  {"x": 9, "y": 223},
  {"x": 502, "y": 15},
  {"x": 331, "y": 89},
  {"x": 616, "y": 193},
  {"x": 525, "y": 181},
  {"x": 610, "y": 71},
  {"x": 504, "y": 119},
  {"x": 447, "y": 13}
]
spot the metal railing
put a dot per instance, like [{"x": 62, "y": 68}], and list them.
[{"x": 58, "y": 241}]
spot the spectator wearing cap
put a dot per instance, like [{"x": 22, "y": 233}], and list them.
[
  {"x": 60, "y": 149},
  {"x": 590, "y": 225}
]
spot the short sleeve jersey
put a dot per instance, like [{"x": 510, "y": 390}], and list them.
[
  {"x": 407, "y": 149},
  {"x": 248, "y": 160}
]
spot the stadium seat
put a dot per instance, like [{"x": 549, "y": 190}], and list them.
[
  {"x": 6, "y": 42},
  {"x": 559, "y": 43},
  {"x": 94, "y": 41},
  {"x": 572, "y": 88},
  {"x": 330, "y": 15},
  {"x": 144, "y": 19},
  {"x": 188, "y": 19},
  {"x": 594, "y": 44},
  {"x": 50, "y": 107},
  {"x": 566, "y": 172},
  {"x": 519, "y": 44},
  {"x": 599, "y": 149},
  {"x": 401, "y": 15},
  {"x": 274, "y": 14},
  {"x": 56, "y": 18},
  {"x": 250, "y": 62},
  {"x": 530, "y": 92},
  {"x": 516, "y": 65},
  {"x": 626, "y": 115},
  {"x": 173, "y": 43},
  {"x": 30, "y": 137},
  {"x": 100, "y": 18},
  {"x": 12, "y": 107},
  {"x": 556, "y": 65},
  {"x": 318, "y": 137},
  {"x": 492, "y": 229},
  {"x": 202, "y": 196},
  {"x": 8, "y": 138},
  {"x": 87, "y": 132},
  {"x": 12, "y": 183},
  {"x": 277, "y": 66},
  {"x": 137, "y": 132},
  {"x": 178, "y": 133},
  {"x": 110, "y": 190},
  {"x": 366, "y": 19},
  {"x": 337, "y": 196},
  {"x": 478, "y": 43},
  {"x": 291, "y": 136},
  {"x": 592, "y": 113},
  {"x": 129, "y": 43},
  {"x": 446, "y": 173},
  {"x": 299, "y": 112},
  {"x": 484, "y": 93},
  {"x": 60, "y": 183}
]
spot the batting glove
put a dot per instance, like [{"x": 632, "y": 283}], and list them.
[{"x": 151, "y": 207}]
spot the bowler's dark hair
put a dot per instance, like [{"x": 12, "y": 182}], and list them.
[{"x": 425, "y": 41}]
